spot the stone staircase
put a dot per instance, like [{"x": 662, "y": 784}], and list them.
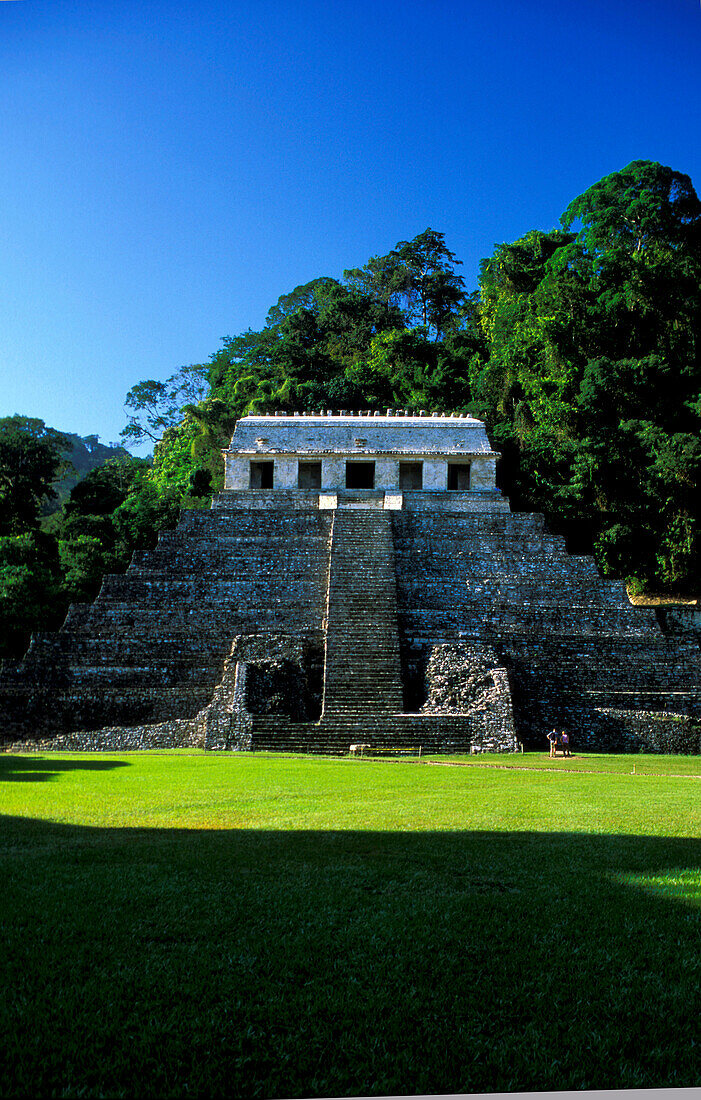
[
  {"x": 362, "y": 671},
  {"x": 362, "y": 667},
  {"x": 363, "y": 691}
]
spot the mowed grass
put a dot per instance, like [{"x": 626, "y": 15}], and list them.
[{"x": 278, "y": 926}]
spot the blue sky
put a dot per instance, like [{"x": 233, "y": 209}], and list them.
[{"x": 167, "y": 170}]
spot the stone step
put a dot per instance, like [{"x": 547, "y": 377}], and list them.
[
  {"x": 362, "y": 661},
  {"x": 397, "y": 731}
]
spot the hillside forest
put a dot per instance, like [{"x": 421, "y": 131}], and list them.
[{"x": 581, "y": 350}]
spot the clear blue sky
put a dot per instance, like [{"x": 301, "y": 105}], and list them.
[{"x": 168, "y": 169}]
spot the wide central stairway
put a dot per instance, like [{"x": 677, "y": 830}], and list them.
[{"x": 362, "y": 668}]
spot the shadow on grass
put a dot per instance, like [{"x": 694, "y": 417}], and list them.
[
  {"x": 27, "y": 769},
  {"x": 269, "y": 963}
]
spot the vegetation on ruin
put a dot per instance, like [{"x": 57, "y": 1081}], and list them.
[
  {"x": 581, "y": 350},
  {"x": 50, "y": 558},
  {"x": 261, "y": 925}
]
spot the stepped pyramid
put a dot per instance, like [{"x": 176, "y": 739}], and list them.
[{"x": 359, "y": 581}]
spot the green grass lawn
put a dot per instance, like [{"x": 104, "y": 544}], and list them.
[{"x": 274, "y": 926}]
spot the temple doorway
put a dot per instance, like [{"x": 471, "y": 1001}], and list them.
[
  {"x": 360, "y": 475},
  {"x": 459, "y": 476},
  {"x": 262, "y": 475}
]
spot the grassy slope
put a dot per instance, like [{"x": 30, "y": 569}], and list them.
[{"x": 272, "y": 926}]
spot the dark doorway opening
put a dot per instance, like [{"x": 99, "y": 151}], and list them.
[
  {"x": 459, "y": 475},
  {"x": 411, "y": 475},
  {"x": 262, "y": 475},
  {"x": 360, "y": 475},
  {"x": 309, "y": 475}
]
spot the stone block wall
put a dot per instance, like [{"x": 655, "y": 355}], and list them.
[
  {"x": 151, "y": 648},
  {"x": 681, "y": 620},
  {"x": 483, "y": 473},
  {"x": 577, "y": 653},
  {"x": 468, "y": 680}
]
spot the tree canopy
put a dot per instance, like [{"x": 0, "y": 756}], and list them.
[{"x": 31, "y": 458}]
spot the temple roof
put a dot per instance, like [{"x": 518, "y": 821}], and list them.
[{"x": 360, "y": 433}]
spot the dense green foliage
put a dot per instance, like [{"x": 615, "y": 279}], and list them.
[
  {"x": 31, "y": 590},
  {"x": 81, "y": 455},
  {"x": 261, "y": 926},
  {"x": 592, "y": 381},
  {"x": 581, "y": 350},
  {"x": 48, "y": 559},
  {"x": 31, "y": 460}
]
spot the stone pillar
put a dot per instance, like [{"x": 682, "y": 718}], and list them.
[
  {"x": 386, "y": 473},
  {"x": 483, "y": 473},
  {"x": 228, "y": 469},
  {"x": 333, "y": 472},
  {"x": 435, "y": 473},
  {"x": 285, "y": 476},
  {"x": 236, "y": 472}
]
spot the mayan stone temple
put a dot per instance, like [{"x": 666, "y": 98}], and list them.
[{"x": 360, "y": 580}]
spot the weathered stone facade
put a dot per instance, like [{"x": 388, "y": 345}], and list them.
[
  {"x": 578, "y": 654},
  {"x": 393, "y": 453},
  {"x": 311, "y": 618}
]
